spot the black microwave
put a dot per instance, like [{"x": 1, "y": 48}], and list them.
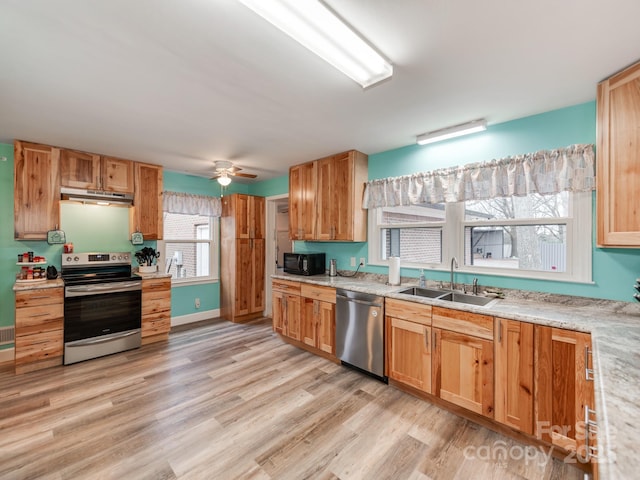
[{"x": 304, "y": 263}]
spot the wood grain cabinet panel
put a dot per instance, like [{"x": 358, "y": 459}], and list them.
[
  {"x": 242, "y": 258},
  {"x": 618, "y": 163},
  {"x": 36, "y": 190},
  {"x": 318, "y": 317},
  {"x": 118, "y": 175},
  {"x": 146, "y": 214},
  {"x": 94, "y": 172},
  {"x": 39, "y": 329},
  {"x": 156, "y": 309},
  {"x": 514, "y": 374},
  {"x": 302, "y": 201}
]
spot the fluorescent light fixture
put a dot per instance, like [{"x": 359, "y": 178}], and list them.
[
  {"x": 452, "y": 132},
  {"x": 317, "y": 28},
  {"x": 224, "y": 179}
]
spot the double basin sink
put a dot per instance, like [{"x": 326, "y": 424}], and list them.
[{"x": 447, "y": 295}]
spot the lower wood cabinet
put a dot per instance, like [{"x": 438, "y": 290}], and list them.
[
  {"x": 319, "y": 317},
  {"x": 408, "y": 344},
  {"x": 286, "y": 308},
  {"x": 156, "y": 309},
  {"x": 463, "y": 359},
  {"x": 564, "y": 400},
  {"x": 514, "y": 374},
  {"x": 39, "y": 329}
]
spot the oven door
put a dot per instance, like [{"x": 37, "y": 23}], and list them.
[{"x": 100, "y": 319}]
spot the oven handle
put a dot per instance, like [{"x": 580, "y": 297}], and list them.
[
  {"x": 108, "y": 338},
  {"x": 101, "y": 288}
]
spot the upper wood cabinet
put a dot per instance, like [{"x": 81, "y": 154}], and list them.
[
  {"x": 514, "y": 374},
  {"x": 146, "y": 214},
  {"x": 302, "y": 201},
  {"x": 248, "y": 213},
  {"x": 36, "y": 190},
  {"x": 325, "y": 198},
  {"x": 91, "y": 171},
  {"x": 618, "y": 162}
]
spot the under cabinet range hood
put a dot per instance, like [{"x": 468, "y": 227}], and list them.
[{"x": 96, "y": 196}]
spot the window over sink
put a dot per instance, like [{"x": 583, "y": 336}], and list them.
[{"x": 534, "y": 236}]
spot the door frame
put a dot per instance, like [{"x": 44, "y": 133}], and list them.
[{"x": 270, "y": 248}]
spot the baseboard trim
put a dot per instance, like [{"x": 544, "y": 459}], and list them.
[
  {"x": 7, "y": 355},
  {"x": 195, "y": 317}
]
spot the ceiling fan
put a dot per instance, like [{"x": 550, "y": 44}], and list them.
[{"x": 225, "y": 170}]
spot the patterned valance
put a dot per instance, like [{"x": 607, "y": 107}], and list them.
[
  {"x": 186, "y": 203},
  {"x": 543, "y": 172}
]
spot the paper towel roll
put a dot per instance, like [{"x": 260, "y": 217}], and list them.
[{"x": 394, "y": 270}]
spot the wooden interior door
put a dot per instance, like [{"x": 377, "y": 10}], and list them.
[
  {"x": 514, "y": 374},
  {"x": 80, "y": 170},
  {"x": 410, "y": 353},
  {"x": 463, "y": 370}
]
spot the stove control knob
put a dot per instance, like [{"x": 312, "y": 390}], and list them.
[
  {"x": 76, "y": 259},
  {"x": 119, "y": 257},
  {"x": 113, "y": 258},
  {"x": 126, "y": 257},
  {"x": 68, "y": 259}
]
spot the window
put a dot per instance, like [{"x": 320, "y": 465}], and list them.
[
  {"x": 189, "y": 247},
  {"x": 536, "y": 236}
]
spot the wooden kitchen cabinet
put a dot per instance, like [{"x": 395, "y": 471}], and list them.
[
  {"x": 286, "y": 308},
  {"x": 463, "y": 359},
  {"x": 618, "y": 165},
  {"x": 302, "y": 201},
  {"x": 36, "y": 190},
  {"x": 90, "y": 171},
  {"x": 242, "y": 258},
  {"x": 39, "y": 336},
  {"x": 564, "y": 389},
  {"x": 325, "y": 198},
  {"x": 514, "y": 390},
  {"x": 146, "y": 215},
  {"x": 339, "y": 212},
  {"x": 408, "y": 343},
  {"x": 319, "y": 317},
  {"x": 156, "y": 309}
]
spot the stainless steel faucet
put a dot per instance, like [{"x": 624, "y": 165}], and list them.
[
  {"x": 454, "y": 263},
  {"x": 475, "y": 286}
]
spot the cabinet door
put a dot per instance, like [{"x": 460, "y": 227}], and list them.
[
  {"x": 563, "y": 391},
  {"x": 292, "y": 318},
  {"x": 146, "y": 214},
  {"x": 410, "y": 353},
  {"x": 463, "y": 370},
  {"x": 343, "y": 199},
  {"x": 117, "y": 175},
  {"x": 256, "y": 216},
  {"x": 79, "y": 169},
  {"x": 514, "y": 374},
  {"x": 302, "y": 203},
  {"x": 257, "y": 275},
  {"x": 326, "y": 327},
  {"x": 309, "y": 320},
  {"x": 243, "y": 277},
  {"x": 36, "y": 190},
  {"x": 325, "y": 215},
  {"x": 618, "y": 165},
  {"x": 241, "y": 215},
  {"x": 278, "y": 311}
]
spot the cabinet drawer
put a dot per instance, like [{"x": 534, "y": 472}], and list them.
[
  {"x": 412, "y": 311},
  {"x": 154, "y": 303},
  {"x": 156, "y": 323},
  {"x": 41, "y": 296},
  {"x": 39, "y": 326},
  {"x": 156, "y": 284},
  {"x": 325, "y": 294},
  {"x": 30, "y": 348},
  {"x": 286, "y": 286},
  {"x": 468, "y": 323},
  {"x": 27, "y": 317}
]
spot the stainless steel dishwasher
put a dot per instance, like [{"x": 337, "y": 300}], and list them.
[{"x": 360, "y": 331}]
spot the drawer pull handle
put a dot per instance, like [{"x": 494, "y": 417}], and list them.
[
  {"x": 39, "y": 315},
  {"x": 588, "y": 371}
]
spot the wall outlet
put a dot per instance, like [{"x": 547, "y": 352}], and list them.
[
  {"x": 353, "y": 261},
  {"x": 363, "y": 261},
  {"x": 197, "y": 302}
]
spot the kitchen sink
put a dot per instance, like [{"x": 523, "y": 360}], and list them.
[
  {"x": 423, "y": 292},
  {"x": 447, "y": 296}
]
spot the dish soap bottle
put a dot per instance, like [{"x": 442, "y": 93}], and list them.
[{"x": 421, "y": 281}]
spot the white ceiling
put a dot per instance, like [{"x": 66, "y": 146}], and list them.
[{"x": 184, "y": 83}]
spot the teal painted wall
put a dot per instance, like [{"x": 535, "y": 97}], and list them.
[
  {"x": 271, "y": 187},
  {"x": 614, "y": 270}
]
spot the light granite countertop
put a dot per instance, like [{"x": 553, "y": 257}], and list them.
[
  {"x": 33, "y": 285},
  {"x": 615, "y": 336}
]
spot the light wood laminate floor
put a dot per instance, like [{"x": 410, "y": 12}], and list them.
[{"x": 225, "y": 401}]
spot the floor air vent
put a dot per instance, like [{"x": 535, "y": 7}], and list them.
[{"x": 7, "y": 335}]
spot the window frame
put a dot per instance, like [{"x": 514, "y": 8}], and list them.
[
  {"x": 579, "y": 233},
  {"x": 214, "y": 254}
]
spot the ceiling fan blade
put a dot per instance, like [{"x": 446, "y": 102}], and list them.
[{"x": 247, "y": 175}]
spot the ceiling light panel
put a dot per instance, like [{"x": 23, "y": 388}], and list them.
[{"x": 314, "y": 26}]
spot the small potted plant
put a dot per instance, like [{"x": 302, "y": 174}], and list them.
[{"x": 147, "y": 260}]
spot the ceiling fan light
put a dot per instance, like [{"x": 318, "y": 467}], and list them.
[
  {"x": 452, "y": 132},
  {"x": 224, "y": 179}
]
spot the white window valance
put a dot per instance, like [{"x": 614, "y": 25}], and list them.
[
  {"x": 544, "y": 172},
  {"x": 189, "y": 204}
]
